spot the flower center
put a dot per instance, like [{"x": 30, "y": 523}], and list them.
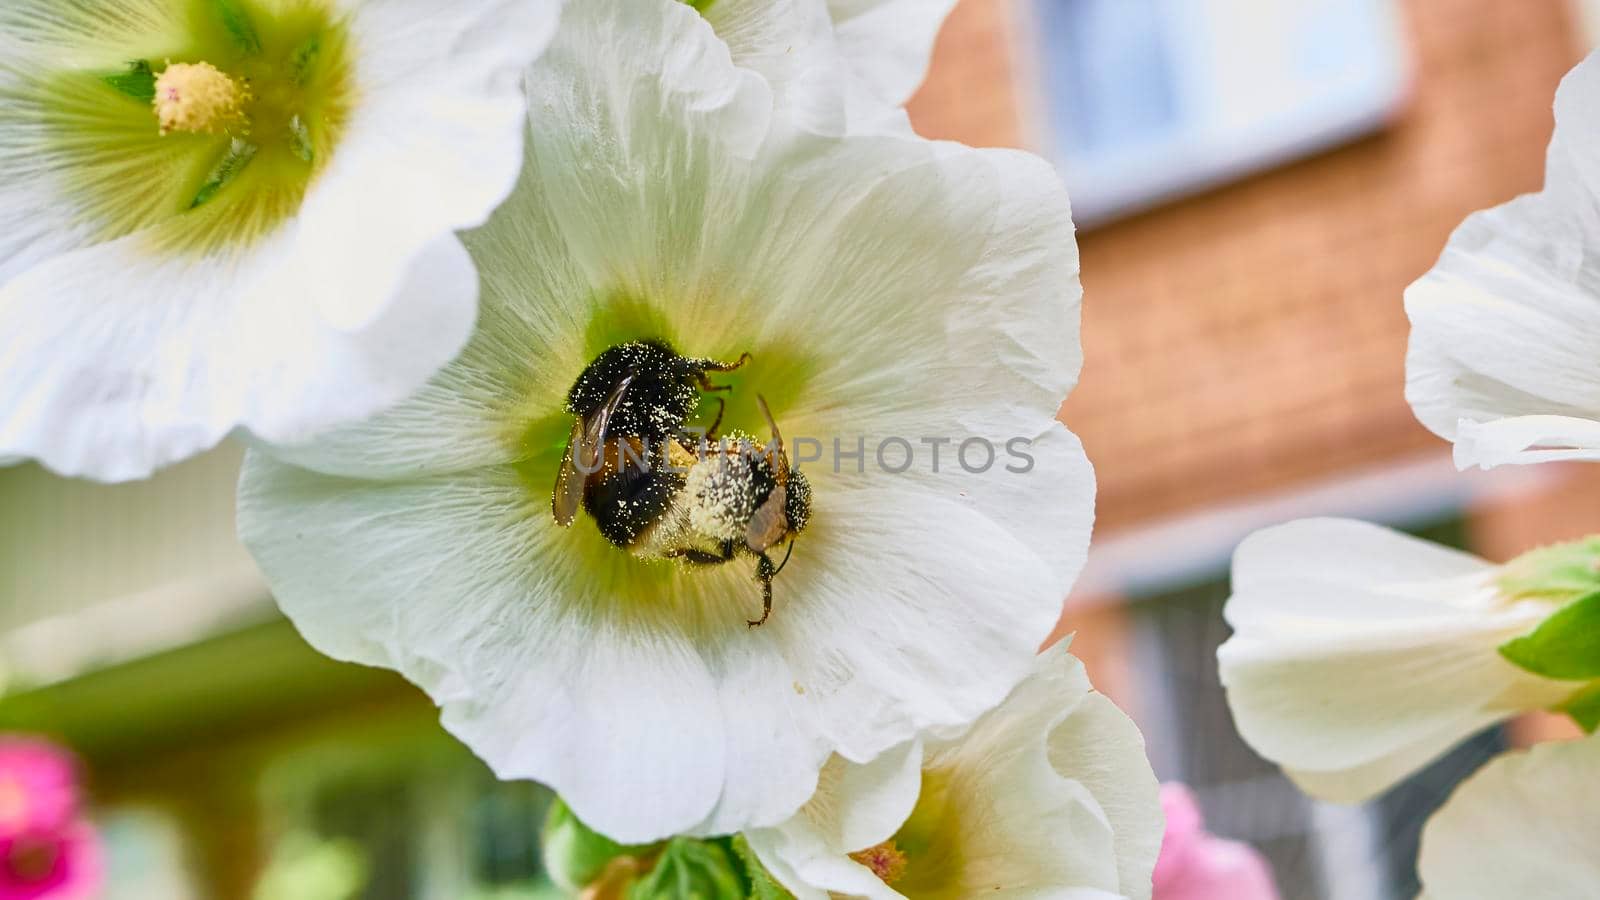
[
  {"x": 208, "y": 139},
  {"x": 885, "y": 860},
  {"x": 197, "y": 98},
  {"x": 30, "y": 861}
]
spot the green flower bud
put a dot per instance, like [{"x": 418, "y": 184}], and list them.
[
  {"x": 762, "y": 885},
  {"x": 690, "y": 870},
  {"x": 576, "y": 855},
  {"x": 1560, "y": 572}
]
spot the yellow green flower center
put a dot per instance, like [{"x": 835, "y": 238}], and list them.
[{"x": 205, "y": 135}]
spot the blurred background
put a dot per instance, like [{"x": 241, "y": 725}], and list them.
[{"x": 1256, "y": 180}]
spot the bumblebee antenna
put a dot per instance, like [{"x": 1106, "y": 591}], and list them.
[
  {"x": 782, "y": 460},
  {"x": 785, "y": 560}
]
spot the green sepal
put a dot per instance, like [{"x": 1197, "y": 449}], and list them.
[
  {"x": 762, "y": 885},
  {"x": 1560, "y": 571},
  {"x": 690, "y": 870},
  {"x": 1566, "y": 646},
  {"x": 576, "y": 855},
  {"x": 237, "y": 22},
  {"x": 138, "y": 82},
  {"x": 1584, "y": 708},
  {"x": 233, "y": 162}
]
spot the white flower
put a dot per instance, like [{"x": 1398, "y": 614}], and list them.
[
  {"x": 1049, "y": 795},
  {"x": 837, "y": 65},
  {"x": 1504, "y": 328},
  {"x": 1523, "y": 826},
  {"x": 885, "y": 287},
  {"x": 240, "y": 213},
  {"x": 1360, "y": 654}
]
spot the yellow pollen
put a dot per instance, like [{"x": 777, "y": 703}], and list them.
[
  {"x": 197, "y": 98},
  {"x": 885, "y": 860}
]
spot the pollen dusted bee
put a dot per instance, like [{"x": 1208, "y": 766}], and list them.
[{"x": 660, "y": 493}]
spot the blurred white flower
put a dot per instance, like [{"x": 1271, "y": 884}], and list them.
[
  {"x": 1523, "y": 826},
  {"x": 884, "y": 286},
  {"x": 1361, "y": 654},
  {"x": 1504, "y": 327},
  {"x": 1049, "y": 795},
  {"x": 240, "y": 213}
]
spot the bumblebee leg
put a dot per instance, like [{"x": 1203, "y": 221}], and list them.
[
  {"x": 711, "y": 365},
  {"x": 765, "y": 571},
  {"x": 701, "y": 557},
  {"x": 722, "y": 407},
  {"x": 697, "y": 557}
]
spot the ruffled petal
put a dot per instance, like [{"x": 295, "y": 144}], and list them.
[
  {"x": 889, "y": 43},
  {"x": 119, "y": 387},
  {"x": 1360, "y": 654},
  {"x": 453, "y": 583},
  {"x": 1049, "y": 795},
  {"x": 1504, "y": 325},
  {"x": 1523, "y": 826}
]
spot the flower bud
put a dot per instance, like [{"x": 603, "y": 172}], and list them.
[
  {"x": 576, "y": 855},
  {"x": 690, "y": 870}
]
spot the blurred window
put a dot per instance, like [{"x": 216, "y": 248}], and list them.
[{"x": 1151, "y": 99}]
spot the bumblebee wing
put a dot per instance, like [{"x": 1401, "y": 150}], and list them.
[
  {"x": 583, "y": 456},
  {"x": 770, "y": 522},
  {"x": 780, "y": 465},
  {"x": 569, "y": 481}
]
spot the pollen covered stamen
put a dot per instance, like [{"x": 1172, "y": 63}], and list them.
[
  {"x": 198, "y": 98},
  {"x": 885, "y": 860}
]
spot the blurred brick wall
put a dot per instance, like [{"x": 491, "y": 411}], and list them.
[{"x": 1254, "y": 337}]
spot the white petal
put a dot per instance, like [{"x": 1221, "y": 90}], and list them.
[
  {"x": 440, "y": 89},
  {"x": 118, "y": 387},
  {"x": 1524, "y": 826},
  {"x": 620, "y": 718},
  {"x": 1360, "y": 654},
  {"x": 889, "y": 42},
  {"x": 868, "y": 649},
  {"x": 1503, "y": 326}
]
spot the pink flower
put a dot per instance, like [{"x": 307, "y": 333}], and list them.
[
  {"x": 59, "y": 864},
  {"x": 38, "y": 786},
  {"x": 1197, "y": 866}
]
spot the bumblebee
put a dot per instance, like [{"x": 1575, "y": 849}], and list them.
[{"x": 658, "y": 492}]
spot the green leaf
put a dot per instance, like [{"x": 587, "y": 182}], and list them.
[
  {"x": 138, "y": 82},
  {"x": 1565, "y": 646},
  {"x": 237, "y": 22},
  {"x": 1584, "y": 708},
  {"x": 762, "y": 885},
  {"x": 238, "y": 155}
]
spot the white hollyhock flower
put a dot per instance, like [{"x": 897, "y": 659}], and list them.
[
  {"x": 844, "y": 65},
  {"x": 885, "y": 288},
  {"x": 1049, "y": 795},
  {"x": 1360, "y": 654},
  {"x": 1504, "y": 327},
  {"x": 1523, "y": 826},
  {"x": 240, "y": 213}
]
